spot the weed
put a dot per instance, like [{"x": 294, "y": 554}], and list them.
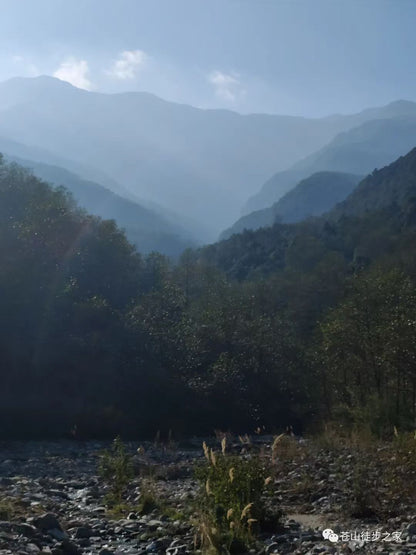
[
  {"x": 116, "y": 470},
  {"x": 148, "y": 500},
  {"x": 232, "y": 504}
]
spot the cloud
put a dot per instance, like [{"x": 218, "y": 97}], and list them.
[
  {"x": 128, "y": 64},
  {"x": 227, "y": 85},
  {"x": 75, "y": 72}
]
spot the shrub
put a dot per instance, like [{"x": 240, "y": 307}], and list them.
[
  {"x": 116, "y": 470},
  {"x": 232, "y": 502}
]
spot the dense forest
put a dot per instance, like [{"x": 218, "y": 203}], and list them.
[{"x": 296, "y": 324}]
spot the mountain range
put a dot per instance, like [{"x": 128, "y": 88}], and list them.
[
  {"x": 370, "y": 145},
  {"x": 201, "y": 165},
  {"x": 145, "y": 228},
  {"x": 312, "y": 196},
  {"x": 376, "y": 220}
]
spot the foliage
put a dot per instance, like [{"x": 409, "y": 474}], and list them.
[
  {"x": 232, "y": 502},
  {"x": 291, "y": 325},
  {"x": 116, "y": 470},
  {"x": 368, "y": 349}
]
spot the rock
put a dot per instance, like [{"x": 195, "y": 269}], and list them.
[
  {"x": 177, "y": 547},
  {"x": 47, "y": 521},
  {"x": 83, "y": 532},
  {"x": 27, "y": 530},
  {"x": 154, "y": 524},
  {"x": 32, "y": 548},
  {"x": 411, "y": 529},
  {"x": 152, "y": 548},
  {"x": 5, "y": 526},
  {"x": 105, "y": 551},
  {"x": 57, "y": 534},
  {"x": 69, "y": 548}
]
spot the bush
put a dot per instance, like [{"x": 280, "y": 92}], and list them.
[
  {"x": 116, "y": 470},
  {"x": 232, "y": 502}
]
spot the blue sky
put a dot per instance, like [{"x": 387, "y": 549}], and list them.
[{"x": 301, "y": 57}]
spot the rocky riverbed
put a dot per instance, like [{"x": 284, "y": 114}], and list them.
[{"x": 51, "y": 501}]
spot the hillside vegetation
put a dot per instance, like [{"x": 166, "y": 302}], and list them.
[
  {"x": 359, "y": 150},
  {"x": 312, "y": 196},
  {"x": 253, "y": 331}
]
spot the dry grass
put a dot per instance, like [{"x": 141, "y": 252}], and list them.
[{"x": 231, "y": 500}]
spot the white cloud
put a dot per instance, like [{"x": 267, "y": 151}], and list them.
[
  {"x": 75, "y": 72},
  {"x": 129, "y": 63},
  {"x": 227, "y": 85}
]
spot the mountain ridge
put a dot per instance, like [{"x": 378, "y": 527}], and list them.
[
  {"x": 359, "y": 150},
  {"x": 146, "y": 229},
  {"x": 202, "y": 164},
  {"x": 311, "y": 197}
]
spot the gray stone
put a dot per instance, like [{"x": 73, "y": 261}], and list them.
[
  {"x": 69, "y": 548},
  {"x": 47, "y": 521},
  {"x": 26, "y": 530},
  {"x": 32, "y": 548},
  {"x": 154, "y": 524},
  {"x": 83, "y": 532},
  {"x": 57, "y": 534},
  {"x": 411, "y": 529}
]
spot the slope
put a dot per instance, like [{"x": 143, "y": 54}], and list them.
[
  {"x": 370, "y": 145},
  {"x": 199, "y": 163},
  {"x": 376, "y": 220},
  {"x": 146, "y": 229},
  {"x": 312, "y": 196}
]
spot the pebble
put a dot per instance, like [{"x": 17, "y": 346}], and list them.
[{"x": 56, "y": 483}]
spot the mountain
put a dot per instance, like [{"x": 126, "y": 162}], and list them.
[
  {"x": 34, "y": 153},
  {"x": 146, "y": 229},
  {"x": 313, "y": 196},
  {"x": 201, "y": 164},
  {"x": 393, "y": 185},
  {"x": 378, "y": 219},
  {"x": 358, "y": 151}
]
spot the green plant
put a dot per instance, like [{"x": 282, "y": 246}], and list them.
[
  {"x": 365, "y": 487},
  {"x": 232, "y": 503},
  {"x": 116, "y": 470},
  {"x": 148, "y": 500},
  {"x": 6, "y": 509}
]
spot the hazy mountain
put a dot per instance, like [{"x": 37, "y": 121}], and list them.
[
  {"x": 202, "y": 164},
  {"x": 359, "y": 150},
  {"x": 145, "y": 228},
  {"x": 392, "y": 186},
  {"x": 313, "y": 196},
  {"x": 378, "y": 219},
  {"x": 34, "y": 153}
]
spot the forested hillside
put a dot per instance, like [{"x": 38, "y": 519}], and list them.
[
  {"x": 145, "y": 228},
  {"x": 359, "y": 151},
  {"x": 312, "y": 196},
  {"x": 287, "y": 325}
]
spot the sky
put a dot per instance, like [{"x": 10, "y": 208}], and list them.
[{"x": 294, "y": 57}]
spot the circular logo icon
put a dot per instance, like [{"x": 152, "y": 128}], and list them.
[{"x": 330, "y": 535}]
